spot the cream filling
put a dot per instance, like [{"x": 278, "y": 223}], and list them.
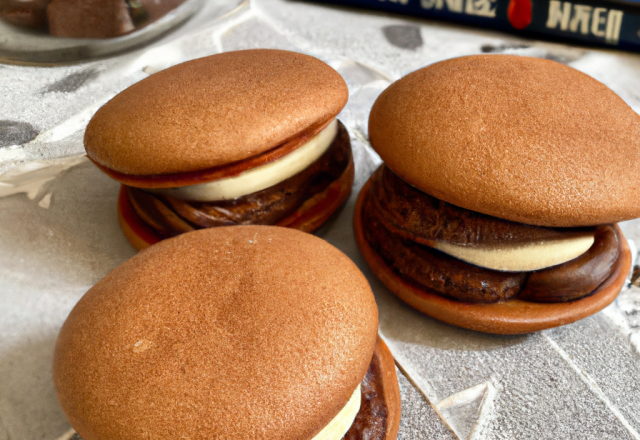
[
  {"x": 522, "y": 257},
  {"x": 338, "y": 427},
  {"x": 259, "y": 178}
]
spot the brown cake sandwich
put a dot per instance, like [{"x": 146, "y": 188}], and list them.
[
  {"x": 246, "y": 137},
  {"x": 247, "y": 332},
  {"x": 502, "y": 181}
]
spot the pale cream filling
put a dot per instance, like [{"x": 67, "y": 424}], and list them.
[
  {"x": 522, "y": 257},
  {"x": 259, "y": 178},
  {"x": 335, "y": 430},
  {"x": 338, "y": 427}
]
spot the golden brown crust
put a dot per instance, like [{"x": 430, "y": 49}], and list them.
[
  {"x": 391, "y": 389},
  {"x": 380, "y": 410},
  {"x": 505, "y": 128},
  {"x": 215, "y": 173},
  {"x": 239, "y": 332},
  {"x": 214, "y": 111},
  {"x": 509, "y": 317},
  {"x": 307, "y": 218}
]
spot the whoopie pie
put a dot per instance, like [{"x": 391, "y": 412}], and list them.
[
  {"x": 502, "y": 181},
  {"x": 243, "y": 332},
  {"x": 246, "y": 137}
]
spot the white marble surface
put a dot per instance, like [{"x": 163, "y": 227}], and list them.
[{"x": 59, "y": 233}]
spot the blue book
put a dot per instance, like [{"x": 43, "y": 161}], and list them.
[{"x": 612, "y": 23}]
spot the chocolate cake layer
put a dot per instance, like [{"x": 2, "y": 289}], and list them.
[
  {"x": 422, "y": 216},
  {"x": 455, "y": 279},
  {"x": 437, "y": 271},
  {"x": 372, "y": 420},
  {"x": 578, "y": 277},
  {"x": 169, "y": 216}
]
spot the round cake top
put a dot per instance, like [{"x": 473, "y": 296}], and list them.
[
  {"x": 214, "y": 111},
  {"x": 238, "y": 332},
  {"x": 524, "y": 139}
]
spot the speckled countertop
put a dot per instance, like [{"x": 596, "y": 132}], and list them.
[{"x": 59, "y": 234}]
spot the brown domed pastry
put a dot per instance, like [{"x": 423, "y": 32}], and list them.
[
  {"x": 502, "y": 181},
  {"x": 246, "y": 137},
  {"x": 242, "y": 332}
]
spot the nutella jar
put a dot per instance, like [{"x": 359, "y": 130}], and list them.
[{"x": 60, "y": 31}]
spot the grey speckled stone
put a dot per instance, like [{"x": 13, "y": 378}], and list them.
[
  {"x": 419, "y": 420},
  {"x": 60, "y": 100},
  {"x": 16, "y": 133},
  {"x": 403, "y": 36},
  {"x": 605, "y": 359},
  {"x": 50, "y": 257},
  {"x": 539, "y": 394},
  {"x": 72, "y": 82}
]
